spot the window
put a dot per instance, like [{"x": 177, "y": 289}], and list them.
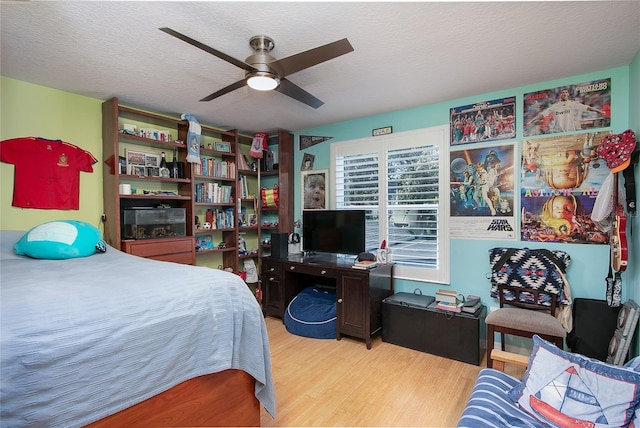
[{"x": 402, "y": 180}]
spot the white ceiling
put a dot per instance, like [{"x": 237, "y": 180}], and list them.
[{"x": 406, "y": 54}]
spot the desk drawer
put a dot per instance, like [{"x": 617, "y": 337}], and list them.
[
  {"x": 314, "y": 270},
  {"x": 271, "y": 269}
]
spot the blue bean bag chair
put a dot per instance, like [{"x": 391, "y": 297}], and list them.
[{"x": 312, "y": 313}]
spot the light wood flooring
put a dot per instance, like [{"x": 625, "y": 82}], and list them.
[{"x": 341, "y": 383}]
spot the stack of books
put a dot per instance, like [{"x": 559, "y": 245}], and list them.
[
  {"x": 365, "y": 264},
  {"x": 447, "y": 300},
  {"x": 472, "y": 305},
  {"x": 447, "y": 296}
]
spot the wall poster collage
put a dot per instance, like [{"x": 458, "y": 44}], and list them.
[{"x": 558, "y": 177}]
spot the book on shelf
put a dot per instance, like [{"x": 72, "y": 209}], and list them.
[
  {"x": 451, "y": 307},
  {"x": 448, "y": 296},
  {"x": 365, "y": 264}
]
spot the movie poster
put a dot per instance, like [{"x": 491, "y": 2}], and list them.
[
  {"x": 560, "y": 179},
  {"x": 482, "y": 193},
  {"x": 568, "y": 108},
  {"x": 483, "y": 122}
]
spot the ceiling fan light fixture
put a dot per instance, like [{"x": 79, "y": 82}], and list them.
[{"x": 262, "y": 80}]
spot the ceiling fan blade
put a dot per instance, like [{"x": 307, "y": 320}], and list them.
[
  {"x": 239, "y": 84},
  {"x": 297, "y": 93},
  {"x": 306, "y": 59},
  {"x": 243, "y": 65}
]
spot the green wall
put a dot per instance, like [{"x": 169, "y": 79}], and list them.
[{"x": 35, "y": 111}]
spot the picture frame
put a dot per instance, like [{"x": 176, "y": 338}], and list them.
[
  {"x": 253, "y": 220},
  {"x": 314, "y": 185},
  {"x": 307, "y": 162},
  {"x": 138, "y": 170},
  {"x": 153, "y": 171},
  {"x": 152, "y": 160},
  {"x": 222, "y": 146},
  {"x": 135, "y": 157}
]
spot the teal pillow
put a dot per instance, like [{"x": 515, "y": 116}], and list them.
[{"x": 61, "y": 239}]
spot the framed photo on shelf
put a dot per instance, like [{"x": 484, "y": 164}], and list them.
[
  {"x": 135, "y": 158},
  {"x": 222, "y": 146},
  {"x": 152, "y": 160},
  {"x": 139, "y": 170},
  {"x": 153, "y": 171},
  {"x": 253, "y": 220},
  {"x": 314, "y": 189}
]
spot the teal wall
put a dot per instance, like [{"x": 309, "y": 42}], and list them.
[{"x": 469, "y": 261}]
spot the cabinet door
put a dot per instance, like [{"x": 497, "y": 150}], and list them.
[
  {"x": 353, "y": 304},
  {"x": 273, "y": 289}
]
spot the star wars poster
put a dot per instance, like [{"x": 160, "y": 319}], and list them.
[
  {"x": 482, "y": 193},
  {"x": 483, "y": 122},
  {"x": 568, "y": 108},
  {"x": 560, "y": 179}
]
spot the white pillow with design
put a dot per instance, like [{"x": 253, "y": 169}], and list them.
[{"x": 565, "y": 389}]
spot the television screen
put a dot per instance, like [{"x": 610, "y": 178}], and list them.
[{"x": 333, "y": 231}]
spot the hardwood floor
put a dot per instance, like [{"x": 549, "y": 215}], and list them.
[{"x": 341, "y": 383}]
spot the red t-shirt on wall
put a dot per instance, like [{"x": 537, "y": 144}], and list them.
[{"x": 47, "y": 172}]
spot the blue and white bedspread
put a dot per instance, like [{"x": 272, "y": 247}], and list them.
[
  {"x": 489, "y": 405},
  {"x": 85, "y": 338}
]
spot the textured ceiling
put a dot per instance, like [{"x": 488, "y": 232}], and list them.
[{"x": 406, "y": 54}]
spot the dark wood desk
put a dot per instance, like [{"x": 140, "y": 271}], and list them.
[{"x": 359, "y": 293}]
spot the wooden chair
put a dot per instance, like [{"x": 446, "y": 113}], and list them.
[{"x": 523, "y": 319}]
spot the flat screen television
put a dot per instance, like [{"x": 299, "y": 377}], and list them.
[{"x": 333, "y": 231}]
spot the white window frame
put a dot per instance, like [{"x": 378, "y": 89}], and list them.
[{"x": 437, "y": 136}]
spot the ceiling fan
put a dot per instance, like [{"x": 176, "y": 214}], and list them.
[{"x": 264, "y": 72}]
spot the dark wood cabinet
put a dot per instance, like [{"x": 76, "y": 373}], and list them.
[
  {"x": 359, "y": 293},
  {"x": 272, "y": 288}
]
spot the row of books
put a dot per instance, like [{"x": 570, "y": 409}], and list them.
[
  {"x": 212, "y": 167},
  {"x": 245, "y": 165},
  {"x": 450, "y": 300},
  {"x": 213, "y": 193}
]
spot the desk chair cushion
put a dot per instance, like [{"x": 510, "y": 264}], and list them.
[
  {"x": 526, "y": 320},
  {"x": 559, "y": 386}
]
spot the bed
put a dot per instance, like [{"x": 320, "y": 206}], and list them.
[{"x": 114, "y": 339}]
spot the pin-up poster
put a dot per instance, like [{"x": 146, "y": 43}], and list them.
[
  {"x": 568, "y": 108},
  {"x": 560, "y": 179},
  {"x": 483, "y": 122},
  {"x": 482, "y": 193}
]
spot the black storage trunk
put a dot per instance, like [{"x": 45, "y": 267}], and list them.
[{"x": 411, "y": 321}]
